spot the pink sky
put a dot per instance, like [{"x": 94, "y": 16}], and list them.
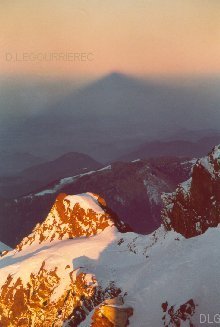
[{"x": 148, "y": 37}]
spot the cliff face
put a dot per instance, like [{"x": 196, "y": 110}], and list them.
[{"x": 195, "y": 205}]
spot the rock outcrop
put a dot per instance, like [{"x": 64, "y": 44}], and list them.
[
  {"x": 112, "y": 312},
  {"x": 43, "y": 292},
  {"x": 131, "y": 190},
  {"x": 177, "y": 316},
  {"x": 74, "y": 216},
  {"x": 82, "y": 267},
  {"x": 32, "y": 304},
  {"x": 195, "y": 205}
]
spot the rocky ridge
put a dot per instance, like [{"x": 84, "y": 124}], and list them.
[
  {"x": 83, "y": 267},
  {"x": 74, "y": 216},
  {"x": 195, "y": 205},
  {"x": 132, "y": 190}
]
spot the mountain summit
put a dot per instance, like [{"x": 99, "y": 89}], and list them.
[
  {"x": 74, "y": 216},
  {"x": 81, "y": 268}
]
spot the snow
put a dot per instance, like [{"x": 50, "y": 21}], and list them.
[
  {"x": 68, "y": 180},
  {"x": 186, "y": 186},
  {"x": 86, "y": 201},
  {"x": 216, "y": 152},
  {"x": 62, "y": 183},
  {"x": 208, "y": 162},
  {"x": 198, "y": 227},
  {"x": 152, "y": 269},
  {"x": 192, "y": 162},
  {"x": 154, "y": 187},
  {"x": 4, "y": 247},
  {"x": 109, "y": 167},
  {"x": 57, "y": 253},
  {"x": 53, "y": 225},
  {"x": 152, "y": 192}
]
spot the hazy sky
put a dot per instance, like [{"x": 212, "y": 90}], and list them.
[{"x": 133, "y": 36}]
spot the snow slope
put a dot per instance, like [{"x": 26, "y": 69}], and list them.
[
  {"x": 4, "y": 247},
  {"x": 83, "y": 267},
  {"x": 151, "y": 270}
]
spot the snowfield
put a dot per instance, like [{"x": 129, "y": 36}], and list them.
[
  {"x": 151, "y": 270},
  {"x": 82, "y": 255},
  {"x": 4, "y": 247}
]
